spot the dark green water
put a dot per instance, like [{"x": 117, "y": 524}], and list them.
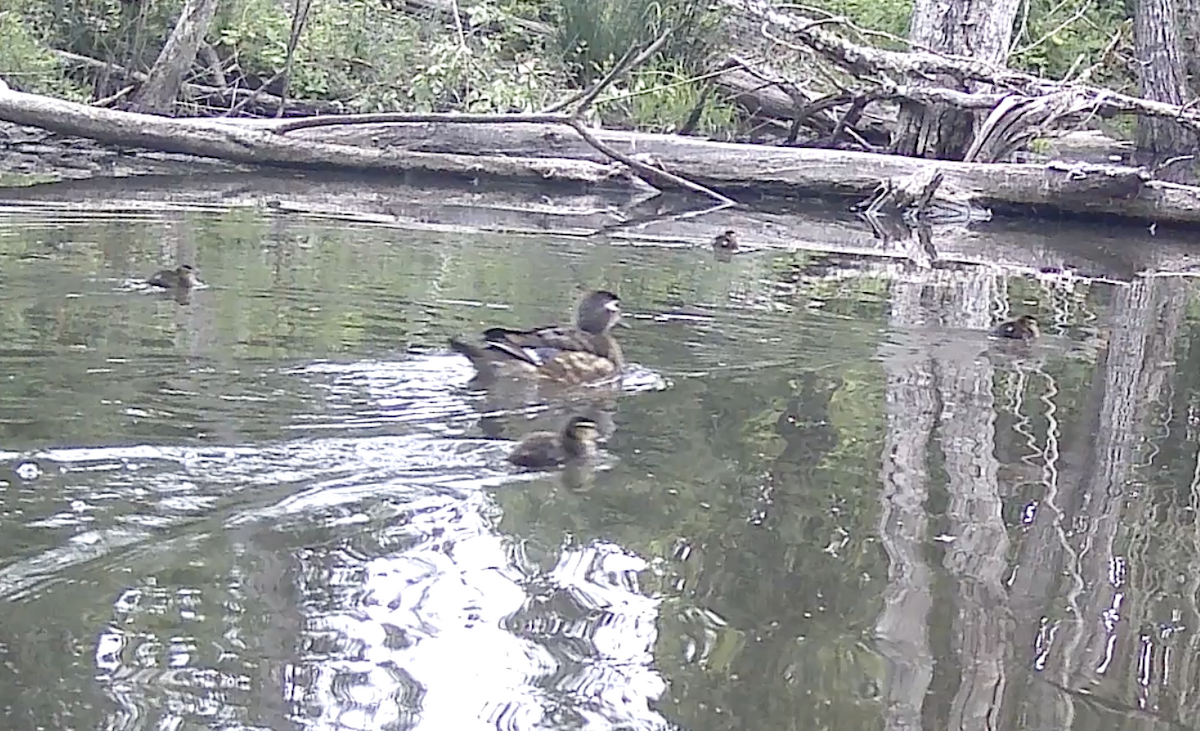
[{"x": 827, "y": 502}]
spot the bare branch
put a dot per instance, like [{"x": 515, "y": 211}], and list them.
[
  {"x": 1079, "y": 13},
  {"x": 644, "y": 170},
  {"x": 627, "y": 63}
]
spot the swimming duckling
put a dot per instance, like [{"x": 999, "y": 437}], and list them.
[
  {"x": 726, "y": 241},
  {"x": 1024, "y": 327},
  {"x": 574, "y": 443},
  {"x": 579, "y": 354},
  {"x": 181, "y": 277}
]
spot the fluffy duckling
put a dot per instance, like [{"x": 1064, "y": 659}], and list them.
[
  {"x": 574, "y": 443},
  {"x": 181, "y": 277},
  {"x": 1024, "y": 327},
  {"x": 580, "y": 354},
  {"x": 726, "y": 241}
]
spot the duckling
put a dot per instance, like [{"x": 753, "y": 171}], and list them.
[
  {"x": 580, "y": 354},
  {"x": 726, "y": 241},
  {"x": 1024, "y": 327},
  {"x": 181, "y": 277},
  {"x": 574, "y": 443}
]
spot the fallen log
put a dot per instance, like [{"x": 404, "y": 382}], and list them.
[
  {"x": 537, "y": 151},
  {"x": 246, "y": 144},
  {"x": 791, "y": 172}
]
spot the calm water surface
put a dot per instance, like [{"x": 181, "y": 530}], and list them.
[{"x": 826, "y": 500}]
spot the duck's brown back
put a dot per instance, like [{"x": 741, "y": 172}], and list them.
[
  {"x": 539, "y": 449},
  {"x": 602, "y": 359}
]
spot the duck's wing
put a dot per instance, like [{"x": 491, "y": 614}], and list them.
[
  {"x": 539, "y": 345},
  {"x": 159, "y": 279}
]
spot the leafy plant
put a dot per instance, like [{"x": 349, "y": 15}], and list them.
[
  {"x": 661, "y": 98},
  {"x": 28, "y": 64},
  {"x": 592, "y": 34}
]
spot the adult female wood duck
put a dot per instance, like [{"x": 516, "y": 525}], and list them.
[
  {"x": 1024, "y": 327},
  {"x": 574, "y": 443},
  {"x": 181, "y": 277},
  {"x": 579, "y": 354}
]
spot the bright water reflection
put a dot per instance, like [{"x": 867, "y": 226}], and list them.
[{"x": 826, "y": 500}]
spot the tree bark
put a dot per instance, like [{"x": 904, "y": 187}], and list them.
[
  {"x": 902, "y": 628},
  {"x": 980, "y": 29},
  {"x": 1190, "y": 44},
  {"x": 561, "y": 156},
  {"x": 1160, "y": 73},
  {"x": 158, "y": 94}
]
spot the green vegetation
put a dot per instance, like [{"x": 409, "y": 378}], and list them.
[{"x": 506, "y": 55}]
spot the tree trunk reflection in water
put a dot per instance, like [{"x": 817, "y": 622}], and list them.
[
  {"x": 1045, "y": 556},
  {"x": 1145, "y": 321},
  {"x": 1189, "y": 670},
  {"x": 271, "y": 586},
  {"x": 902, "y": 628},
  {"x": 976, "y": 559}
]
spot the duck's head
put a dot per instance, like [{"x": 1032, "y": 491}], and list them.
[
  {"x": 187, "y": 275},
  {"x": 580, "y": 433},
  {"x": 726, "y": 240},
  {"x": 598, "y": 312},
  {"x": 1028, "y": 323}
]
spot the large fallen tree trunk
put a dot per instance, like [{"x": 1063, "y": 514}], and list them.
[
  {"x": 792, "y": 172},
  {"x": 210, "y": 138},
  {"x": 539, "y": 152}
]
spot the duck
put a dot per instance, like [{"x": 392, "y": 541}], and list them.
[
  {"x": 1024, "y": 327},
  {"x": 726, "y": 241},
  {"x": 583, "y": 353},
  {"x": 574, "y": 443},
  {"x": 181, "y": 277}
]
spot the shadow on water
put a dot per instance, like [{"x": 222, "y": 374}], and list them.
[{"x": 826, "y": 499}]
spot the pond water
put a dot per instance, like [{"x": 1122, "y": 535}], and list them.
[{"x": 826, "y": 500}]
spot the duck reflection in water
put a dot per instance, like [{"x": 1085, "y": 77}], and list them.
[
  {"x": 1024, "y": 327},
  {"x": 725, "y": 245}
]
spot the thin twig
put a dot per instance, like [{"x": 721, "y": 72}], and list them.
[
  {"x": 1169, "y": 162},
  {"x": 591, "y": 90},
  {"x": 113, "y": 97},
  {"x": 1079, "y": 13},
  {"x": 656, "y": 217},
  {"x": 254, "y": 94},
  {"x": 458, "y": 25},
  {"x": 1112, "y": 46},
  {"x": 645, "y": 170},
  {"x": 843, "y": 20},
  {"x": 697, "y": 112},
  {"x": 626, "y": 64},
  {"x": 300, "y": 10},
  {"x": 626, "y": 95}
]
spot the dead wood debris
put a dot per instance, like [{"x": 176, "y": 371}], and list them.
[{"x": 1022, "y": 107}]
